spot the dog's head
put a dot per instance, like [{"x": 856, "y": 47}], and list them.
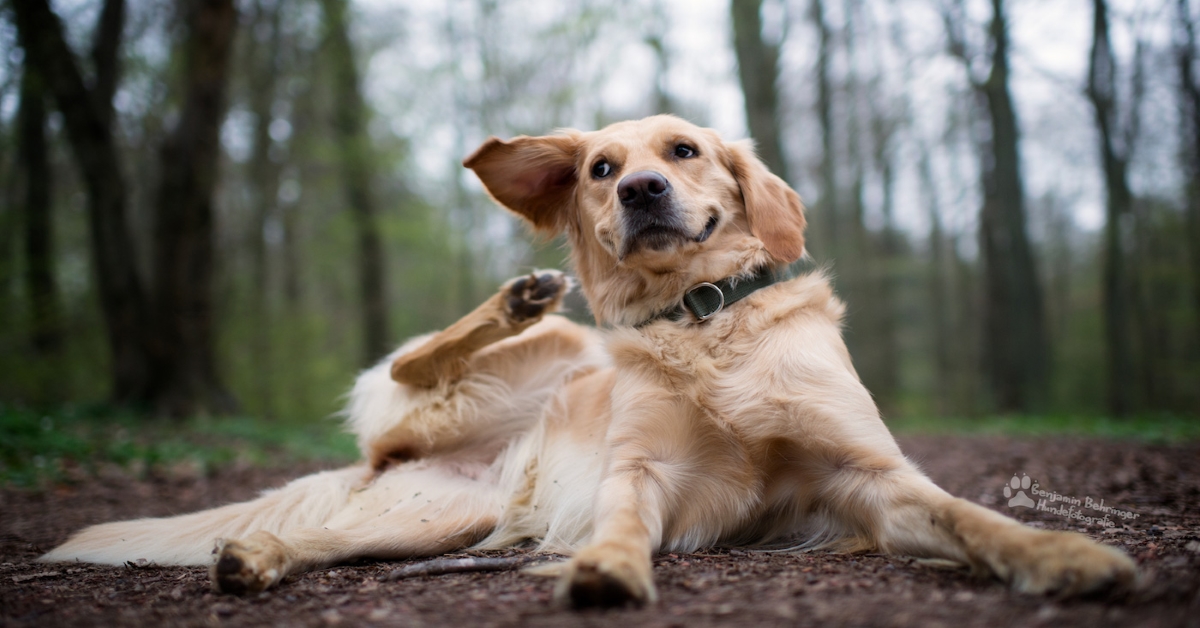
[{"x": 651, "y": 207}]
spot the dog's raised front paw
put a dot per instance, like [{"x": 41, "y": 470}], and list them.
[
  {"x": 534, "y": 295},
  {"x": 606, "y": 577},
  {"x": 247, "y": 566}
]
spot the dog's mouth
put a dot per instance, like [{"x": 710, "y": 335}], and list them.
[{"x": 657, "y": 235}]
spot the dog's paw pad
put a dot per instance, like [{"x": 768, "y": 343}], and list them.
[
  {"x": 602, "y": 577},
  {"x": 532, "y": 296},
  {"x": 595, "y": 589},
  {"x": 234, "y": 570},
  {"x": 230, "y": 576}
]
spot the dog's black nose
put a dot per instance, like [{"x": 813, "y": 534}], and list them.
[{"x": 642, "y": 188}]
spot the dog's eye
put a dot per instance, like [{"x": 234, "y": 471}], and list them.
[
  {"x": 683, "y": 151},
  {"x": 601, "y": 169}
]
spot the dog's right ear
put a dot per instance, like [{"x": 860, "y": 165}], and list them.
[{"x": 532, "y": 176}]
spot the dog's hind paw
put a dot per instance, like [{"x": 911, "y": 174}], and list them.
[
  {"x": 534, "y": 295},
  {"x": 246, "y": 566}
]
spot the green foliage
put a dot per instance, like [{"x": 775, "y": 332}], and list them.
[
  {"x": 1147, "y": 428},
  {"x": 39, "y": 448}
]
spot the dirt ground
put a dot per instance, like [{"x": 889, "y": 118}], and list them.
[{"x": 1159, "y": 484}]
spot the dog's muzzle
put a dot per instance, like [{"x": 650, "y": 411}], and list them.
[{"x": 651, "y": 216}]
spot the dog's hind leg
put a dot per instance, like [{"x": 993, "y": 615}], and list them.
[
  {"x": 406, "y": 513},
  {"x": 188, "y": 539}
]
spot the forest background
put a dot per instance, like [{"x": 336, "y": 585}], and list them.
[{"x": 220, "y": 207}]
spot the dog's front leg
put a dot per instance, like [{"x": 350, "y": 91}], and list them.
[
  {"x": 644, "y": 445},
  {"x": 615, "y": 568},
  {"x": 903, "y": 512},
  {"x": 520, "y": 302},
  {"x": 1030, "y": 560}
]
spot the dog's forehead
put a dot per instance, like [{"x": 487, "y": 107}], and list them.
[{"x": 649, "y": 136}]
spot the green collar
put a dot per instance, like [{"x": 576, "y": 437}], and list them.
[{"x": 705, "y": 299}]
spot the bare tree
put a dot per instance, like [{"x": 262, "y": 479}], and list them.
[
  {"x": 1115, "y": 146},
  {"x": 122, "y": 297},
  {"x": 106, "y": 50},
  {"x": 758, "y": 70},
  {"x": 1186, "y": 54},
  {"x": 162, "y": 349},
  {"x": 263, "y": 58},
  {"x": 865, "y": 265},
  {"x": 36, "y": 183},
  {"x": 940, "y": 305},
  {"x": 884, "y": 260},
  {"x": 1016, "y": 351},
  {"x": 354, "y": 156},
  {"x": 828, "y": 203},
  {"x": 655, "y": 35},
  {"x": 184, "y": 227}
]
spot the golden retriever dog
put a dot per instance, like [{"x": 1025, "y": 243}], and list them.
[{"x": 717, "y": 406}]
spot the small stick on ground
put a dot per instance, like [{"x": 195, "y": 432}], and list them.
[{"x": 442, "y": 566}]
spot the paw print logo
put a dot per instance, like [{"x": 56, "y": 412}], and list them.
[{"x": 1015, "y": 492}]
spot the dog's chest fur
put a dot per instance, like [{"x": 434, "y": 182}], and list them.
[{"x": 740, "y": 369}]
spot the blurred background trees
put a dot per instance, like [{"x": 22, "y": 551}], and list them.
[{"x": 212, "y": 206}]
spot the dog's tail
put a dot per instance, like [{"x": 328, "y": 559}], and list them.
[{"x": 189, "y": 539}]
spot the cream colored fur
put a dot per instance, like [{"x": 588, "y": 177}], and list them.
[
  {"x": 512, "y": 426},
  {"x": 188, "y": 539}
]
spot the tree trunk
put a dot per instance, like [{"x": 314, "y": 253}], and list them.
[
  {"x": 188, "y": 381},
  {"x": 663, "y": 103},
  {"x": 1148, "y": 314},
  {"x": 758, "y": 71},
  {"x": 355, "y": 158},
  {"x": 124, "y": 303},
  {"x": 105, "y": 54},
  {"x": 1189, "y": 96},
  {"x": 829, "y": 205},
  {"x": 264, "y": 184},
  {"x": 34, "y": 162},
  {"x": 1015, "y": 350},
  {"x": 885, "y": 264},
  {"x": 657, "y": 24},
  {"x": 857, "y": 264},
  {"x": 940, "y": 319},
  {"x": 1101, "y": 92}
]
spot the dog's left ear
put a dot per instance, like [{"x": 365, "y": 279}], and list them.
[
  {"x": 774, "y": 210},
  {"x": 533, "y": 177}
]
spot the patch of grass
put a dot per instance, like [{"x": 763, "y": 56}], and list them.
[
  {"x": 1151, "y": 428},
  {"x": 38, "y": 447}
]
